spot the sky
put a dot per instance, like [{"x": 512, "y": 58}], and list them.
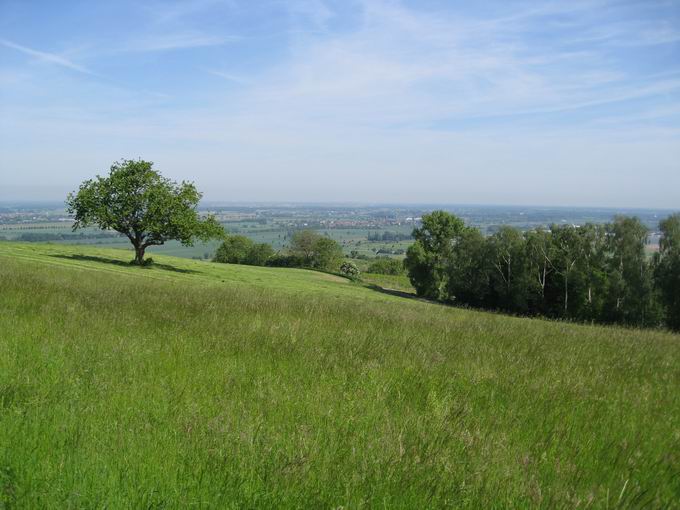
[{"x": 573, "y": 103}]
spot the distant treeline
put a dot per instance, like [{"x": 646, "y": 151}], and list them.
[
  {"x": 597, "y": 273},
  {"x": 308, "y": 249},
  {"x": 45, "y": 237}
]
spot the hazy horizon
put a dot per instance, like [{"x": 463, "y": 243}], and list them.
[
  {"x": 206, "y": 204},
  {"x": 370, "y": 101}
]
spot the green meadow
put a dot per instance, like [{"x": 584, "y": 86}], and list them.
[{"x": 191, "y": 384}]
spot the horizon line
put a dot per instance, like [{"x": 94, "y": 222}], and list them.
[{"x": 371, "y": 204}]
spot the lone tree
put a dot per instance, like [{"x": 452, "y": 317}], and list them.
[{"x": 141, "y": 204}]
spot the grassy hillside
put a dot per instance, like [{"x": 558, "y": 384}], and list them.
[
  {"x": 388, "y": 281},
  {"x": 191, "y": 384}
]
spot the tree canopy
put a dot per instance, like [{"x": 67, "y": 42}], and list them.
[
  {"x": 667, "y": 269},
  {"x": 427, "y": 260},
  {"x": 590, "y": 272},
  {"x": 149, "y": 209},
  {"x": 315, "y": 250},
  {"x": 233, "y": 250},
  {"x": 241, "y": 250}
]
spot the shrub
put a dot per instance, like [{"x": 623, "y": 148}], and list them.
[
  {"x": 233, "y": 250},
  {"x": 241, "y": 250},
  {"x": 349, "y": 269},
  {"x": 315, "y": 250},
  {"x": 281, "y": 260},
  {"x": 327, "y": 254},
  {"x": 259, "y": 254}
]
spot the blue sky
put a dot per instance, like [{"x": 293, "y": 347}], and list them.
[{"x": 549, "y": 103}]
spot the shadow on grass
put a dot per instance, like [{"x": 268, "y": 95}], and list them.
[
  {"x": 393, "y": 292},
  {"x": 122, "y": 263}
]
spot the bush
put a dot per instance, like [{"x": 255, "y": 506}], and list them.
[
  {"x": 327, "y": 254},
  {"x": 259, "y": 254},
  {"x": 387, "y": 266},
  {"x": 280, "y": 260},
  {"x": 349, "y": 269},
  {"x": 315, "y": 250},
  {"x": 233, "y": 250},
  {"x": 241, "y": 250}
]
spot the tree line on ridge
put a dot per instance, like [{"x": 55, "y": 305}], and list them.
[{"x": 594, "y": 273}]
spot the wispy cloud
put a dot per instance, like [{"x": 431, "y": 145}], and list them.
[
  {"x": 165, "y": 42},
  {"x": 165, "y": 13},
  {"x": 230, "y": 77},
  {"x": 402, "y": 66},
  {"x": 44, "y": 56},
  {"x": 172, "y": 26},
  {"x": 498, "y": 97}
]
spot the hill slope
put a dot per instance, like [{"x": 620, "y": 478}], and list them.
[{"x": 193, "y": 383}]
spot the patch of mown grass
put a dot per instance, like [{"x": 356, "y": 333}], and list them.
[{"x": 236, "y": 386}]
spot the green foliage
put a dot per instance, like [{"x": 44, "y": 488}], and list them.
[
  {"x": 302, "y": 244},
  {"x": 233, "y": 250},
  {"x": 438, "y": 231},
  {"x": 286, "y": 260},
  {"x": 594, "y": 273},
  {"x": 327, "y": 254},
  {"x": 540, "y": 254},
  {"x": 667, "y": 270},
  {"x": 241, "y": 250},
  {"x": 468, "y": 271},
  {"x": 509, "y": 275},
  {"x": 428, "y": 258},
  {"x": 631, "y": 297},
  {"x": 213, "y": 386},
  {"x": 259, "y": 254},
  {"x": 421, "y": 271},
  {"x": 589, "y": 273},
  {"x": 349, "y": 269},
  {"x": 315, "y": 250},
  {"x": 141, "y": 204},
  {"x": 386, "y": 265},
  {"x": 567, "y": 251}
]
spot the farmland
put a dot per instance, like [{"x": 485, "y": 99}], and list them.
[{"x": 353, "y": 227}]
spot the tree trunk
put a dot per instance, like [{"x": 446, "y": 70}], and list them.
[
  {"x": 139, "y": 255},
  {"x": 543, "y": 280},
  {"x": 509, "y": 271}
]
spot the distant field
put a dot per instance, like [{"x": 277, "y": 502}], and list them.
[
  {"x": 274, "y": 234},
  {"x": 350, "y": 239},
  {"x": 193, "y": 384}
]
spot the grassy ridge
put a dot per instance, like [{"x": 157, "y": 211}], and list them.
[{"x": 197, "y": 384}]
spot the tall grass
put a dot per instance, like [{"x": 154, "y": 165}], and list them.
[{"x": 230, "y": 386}]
